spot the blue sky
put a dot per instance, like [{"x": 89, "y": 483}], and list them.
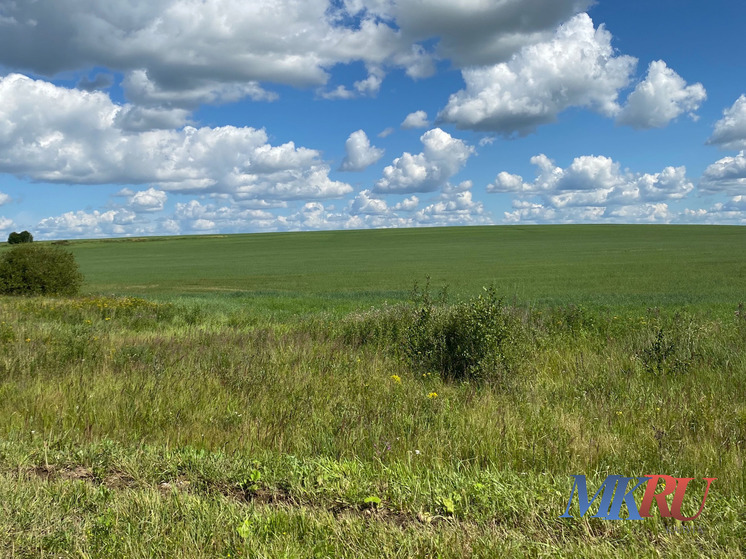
[{"x": 227, "y": 116}]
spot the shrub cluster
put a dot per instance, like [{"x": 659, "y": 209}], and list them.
[
  {"x": 465, "y": 341},
  {"x": 33, "y": 269}
]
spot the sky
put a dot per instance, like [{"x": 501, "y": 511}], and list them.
[{"x": 166, "y": 117}]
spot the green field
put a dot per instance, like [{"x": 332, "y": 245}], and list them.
[
  {"x": 283, "y": 395},
  {"x": 615, "y": 265}
]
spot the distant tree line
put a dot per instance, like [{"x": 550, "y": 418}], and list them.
[{"x": 18, "y": 238}]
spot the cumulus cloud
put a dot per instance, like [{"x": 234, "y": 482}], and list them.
[
  {"x": 592, "y": 188},
  {"x": 441, "y": 158},
  {"x": 661, "y": 97},
  {"x": 150, "y": 200},
  {"x": 193, "y": 216},
  {"x": 417, "y": 119},
  {"x": 595, "y": 180},
  {"x": 726, "y": 175},
  {"x": 576, "y": 67},
  {"x": 449, "y": 208},
  {"x": 366, "y": 203},
  {"x": 84, "y": 224},
  {"x": 183, "y": 46},
  {"x": 408, "y": 204},
  {"x": 53, "y": 134},
  {"x": 730, "y": 131},
  {"x": 360, "y": 154},
  {"x": 733, "y": 211},
  {"x": 454, "y": 205}
]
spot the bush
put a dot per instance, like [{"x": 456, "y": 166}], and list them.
[
  {"x": 18, "y": 238},
  {"x": 465, "y": 341},
  {"x": 32, "y": 269}
]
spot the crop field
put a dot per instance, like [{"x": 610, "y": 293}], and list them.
[{"x": 316, "y": 395}]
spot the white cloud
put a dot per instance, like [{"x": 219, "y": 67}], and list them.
[
  {"x": 731, "y": 212},
  {"x": 458, "y": 208},
  {"x": 54, "y": 134},
  {"x": 6, "y": 223},
  {"x": 94, "y": 224},
  {"x": 726, "y": 175},
  {"x": 661, "y": 97},
  {"x": 730, "y": 131},
  {"x": 202, "y": 50},
  {"x": 372, "y": 84},
  {"x": 577, "y": 67},
  {"x": 595, "y": 181},
  {"x": 408, "y": 204},
  {"x": 360, "y": 154},
  {"x": 213, "y": 49},
  {"x": 417, "y": 119},
  {"x": 453, "y": 206},
  {"x": 197, "y": 217},
  {"x": 4, "y": 198},
  {"x": 386, "y": 132},
  {"x": 366, "y": 203},
  {"x": 150, "y": 200},
  {"x": 340, "y": 92},
  {"x": 592, "y": 188},
  {"x": 441, "y": 158}
]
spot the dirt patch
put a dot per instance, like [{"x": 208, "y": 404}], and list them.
[
  {"x": 118, "y": 480},
  {"x": 168, "y": 487},
  {"x": 50, "y": 472}
]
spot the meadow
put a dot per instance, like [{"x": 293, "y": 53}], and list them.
[{"x": 295, "y": 395}]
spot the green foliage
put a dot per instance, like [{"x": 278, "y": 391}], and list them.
[
  {"x": 372, "y": 502},
  {"x": 465, "y": 341},
  {"x": 18, "y": 238},
  {"x": 32, "y": 269}
]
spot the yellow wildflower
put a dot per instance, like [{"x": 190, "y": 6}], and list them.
[
  {"x": 432, "y": 395},
  {"x": 396, "y": 379}
]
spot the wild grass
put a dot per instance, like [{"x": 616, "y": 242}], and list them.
[{"x": 133, "y": 428}]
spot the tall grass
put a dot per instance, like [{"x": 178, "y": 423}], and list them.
[{"x": 130, "y": 428}]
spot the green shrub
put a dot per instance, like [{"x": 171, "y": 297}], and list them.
[
  {"x": 32, "y": 269},
  {"x": 465, "y": 341}
]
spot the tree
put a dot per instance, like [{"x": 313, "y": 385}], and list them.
[
  {"x": 33, "y": 269},
  {"x": 18, "y": 238}
]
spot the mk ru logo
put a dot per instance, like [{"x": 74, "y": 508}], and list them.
[{"x": 614, "y": 492}]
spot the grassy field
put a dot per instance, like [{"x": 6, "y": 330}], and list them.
[
  {"x": 270, "y": 396},
  {"x": 614, "y": 265}
]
